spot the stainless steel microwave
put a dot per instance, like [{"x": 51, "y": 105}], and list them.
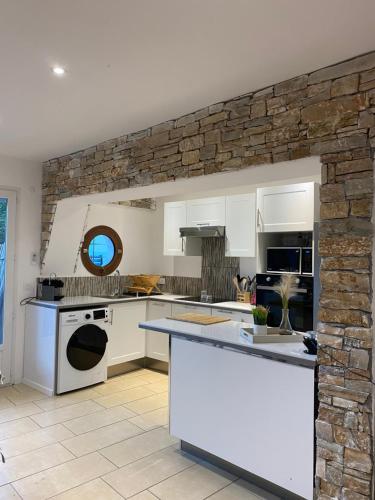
[{"x": 292, "y": 260}]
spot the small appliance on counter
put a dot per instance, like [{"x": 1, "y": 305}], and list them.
[{"x": 50, "y": 288}]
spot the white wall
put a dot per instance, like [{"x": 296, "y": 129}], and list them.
[
  {"x": 135, "y": 227},
  {"x": 25, "y": 178}
]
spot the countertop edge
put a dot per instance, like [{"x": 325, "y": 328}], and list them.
[{"x": 247, "y": 349}]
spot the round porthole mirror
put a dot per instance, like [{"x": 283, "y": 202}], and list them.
[{"x": 101, "y": 251}]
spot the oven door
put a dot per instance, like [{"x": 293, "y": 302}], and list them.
[{"x": 300, "y": 307}]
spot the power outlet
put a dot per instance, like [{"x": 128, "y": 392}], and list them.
[{"x": 161, "y": 281}]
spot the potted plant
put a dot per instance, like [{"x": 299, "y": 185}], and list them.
[
  {"x": 285, "y": 289},
  {"x": 260, "y": 314}
]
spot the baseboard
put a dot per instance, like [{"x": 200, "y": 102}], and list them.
[
  {"x": 242, "y": 473},
  {"x": 126, "y": 367},
  {"x": 155, "y": 364},
  {"x": 38, "y": 387}
]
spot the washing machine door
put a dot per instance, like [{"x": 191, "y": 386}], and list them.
[{"x": 86, "y": 347}]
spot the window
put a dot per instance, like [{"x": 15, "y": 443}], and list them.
[{"x": 101, "y": 251}]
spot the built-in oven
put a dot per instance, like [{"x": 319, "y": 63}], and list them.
[{"x": 301, "y": 304}]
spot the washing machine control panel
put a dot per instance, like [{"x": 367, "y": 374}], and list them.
[{"x": 85, "y": 316}]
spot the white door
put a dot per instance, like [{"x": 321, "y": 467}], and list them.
[
  {"x": 7, "y": 285},
  {"x": 174, "y": 218},
  {"x": 286, "y": 208},
  {"x": 240, "y": 225},
  {"x": 206, "y": 212},
  {"x": 157, "y": 344},
  {"x": 125, "y": 340}
]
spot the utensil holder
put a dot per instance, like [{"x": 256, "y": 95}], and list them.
[{"x": 244, "y": 297}]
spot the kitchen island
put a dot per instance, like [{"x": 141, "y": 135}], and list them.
[{"x": 251, "y": 406}]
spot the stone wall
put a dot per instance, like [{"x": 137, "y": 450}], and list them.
[{"x": 329, "y": 112}]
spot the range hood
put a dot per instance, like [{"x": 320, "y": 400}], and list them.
[{"x": 203, "y": 231}]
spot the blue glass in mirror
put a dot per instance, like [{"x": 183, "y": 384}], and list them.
[{"x": 101, "y": 250}]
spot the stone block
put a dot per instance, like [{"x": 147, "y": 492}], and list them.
[
  {"x": 341, "y": 144},
  {"x": 357, "y": 460},
  {"x": 366, "y": 119},
  {"x": 352, "y": 317},
  {"x": 354, "y": 65},
  {"x": 258, "y": 109},
  {"x": 335, "y": 299},
  {"x": 323, "y": 430},
  {"x": 359, "y": 358},
  {"x": 185, "y": 120},
  {"x": 345, "y": 246},
  {"x": 358, "y": 165},
  {"x": 162, "y": 127},
  {"x": 290, "y": 117},
  {"x": 190, "y": 143},
  {"x": 211, "y": 119},
  {"x": 332, "y": 193},
  {"x": 356, "y": 188},
  {"x": 361, "y": 208},
  {"x": 191, "y": 129},
  {"x": 300, "y": 82},
  {"x": 336, "y": 210},
  {"x": 190, "y": 157},
  {"x": 208, "y": 152},
  {"x": 212, "y": 137},
  {"x": 345, "y": 85}
]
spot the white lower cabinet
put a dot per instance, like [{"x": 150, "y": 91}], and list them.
[
  {"x": 234, "y": 315},
  {"x": 126, "y": 341},
  {"x": 182, "y": 309},
  {"x": 157, "y": 344},
  {"x": 253, "y": 412}
]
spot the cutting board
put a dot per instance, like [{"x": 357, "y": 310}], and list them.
[{"x": 199, "y": 319}]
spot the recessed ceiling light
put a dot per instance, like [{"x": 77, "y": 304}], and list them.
[{"x": 58, "y": 70}]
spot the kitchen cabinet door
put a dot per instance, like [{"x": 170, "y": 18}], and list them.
[
  {"x": 234, "y": 315},
  {"x": 286, "y": 208},
  {"x": 240, "y": 225},
  {"x": 174, "y": 218},
  {"x": 125, "y": 340},
  {"x": 182, "y": 309},
  {"x": 206, "y": 212},
  {"x": 157, "y": 344}
]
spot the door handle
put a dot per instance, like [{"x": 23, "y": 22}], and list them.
[
  {"x": 110, "y": 320},
  {"x": 258, "y": 217},
  {"x": 182, "y": 244}
]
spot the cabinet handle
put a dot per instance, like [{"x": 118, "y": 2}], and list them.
[
  {"x": 258, "y": 215},
  {"x": 182, "y": 244},
  {"x": 224, "y": 311},
  {"x": 203, "y": 224}
]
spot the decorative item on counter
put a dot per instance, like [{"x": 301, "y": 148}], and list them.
[
  {"x": 285, "y": 289},
  {"x": 260, "y": 314},
  {"x": 50, "y": 288},
  {"x": 245, "y": 288},
  {"x": 311, "y": 342}
]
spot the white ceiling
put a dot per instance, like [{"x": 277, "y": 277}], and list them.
[{"x": 135, "y": 63}]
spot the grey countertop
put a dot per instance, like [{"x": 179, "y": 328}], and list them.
[
  {"x": 87, "y": 301},
  {"x": 228, "y": 335}
]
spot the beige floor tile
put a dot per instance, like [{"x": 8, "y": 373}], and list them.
[
  {"x": 5, "y": 403},
  {"x": 138, "y": 447},
  {"x": 71, "y": 398},
  {"x": 30, "y": 463},
  {"x": 96, "y": 489},
  {"x": 66, "y": 413},
  {"x": 17, "y": 427},
  {"x": 34, "y": 440},
  {"x": 195, "y": 483},
  {"x": 99, "y": 419},
  {"x": 7, "y": 492},
  {"x": 154, "y": 377},
  {"x": 145, "y": 405},
  {"x": 242, "y": 490},
  {"x": 129, "y": 375},
  {"x": 22, "y": 394},
  {"x": 101, "y": 438},
  {"x": 58, "y": 479},
  {"x": 121, "y": 385},
  {"x": 140, "y": 475},
  {"x": 158, "y": 387},
  {"x": 119, "y": 398},
  {"x": 18, "y": 412},
  {"x": 145, "y": 495},
  {"x": 151, "y": 420}
]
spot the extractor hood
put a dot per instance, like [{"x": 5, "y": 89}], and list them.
[{"x": 203, "y": 231}]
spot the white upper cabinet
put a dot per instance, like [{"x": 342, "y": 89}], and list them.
[
  {"x": 286, "y": 208},
  {"x": 206, "y": 212},
  {"x": 174, "y": 218},
  {"x": 240, "y": 225}
]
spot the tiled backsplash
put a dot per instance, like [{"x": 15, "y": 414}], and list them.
[{"x": 217, "y": 274}]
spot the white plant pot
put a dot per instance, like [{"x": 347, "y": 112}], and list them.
[{"x": 260, "y": 329}]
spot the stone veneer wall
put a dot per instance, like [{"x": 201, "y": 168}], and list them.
[{"x": 329, "y": 112}]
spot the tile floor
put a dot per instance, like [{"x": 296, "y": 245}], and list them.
[{"x": 107, "y": 442}]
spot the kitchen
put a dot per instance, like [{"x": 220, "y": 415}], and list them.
[
  {"x": 206, "y": 241},
  {"x": 186, "y": 250}
]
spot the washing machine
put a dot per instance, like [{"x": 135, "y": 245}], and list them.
[{"x": 82, "y": 346}]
